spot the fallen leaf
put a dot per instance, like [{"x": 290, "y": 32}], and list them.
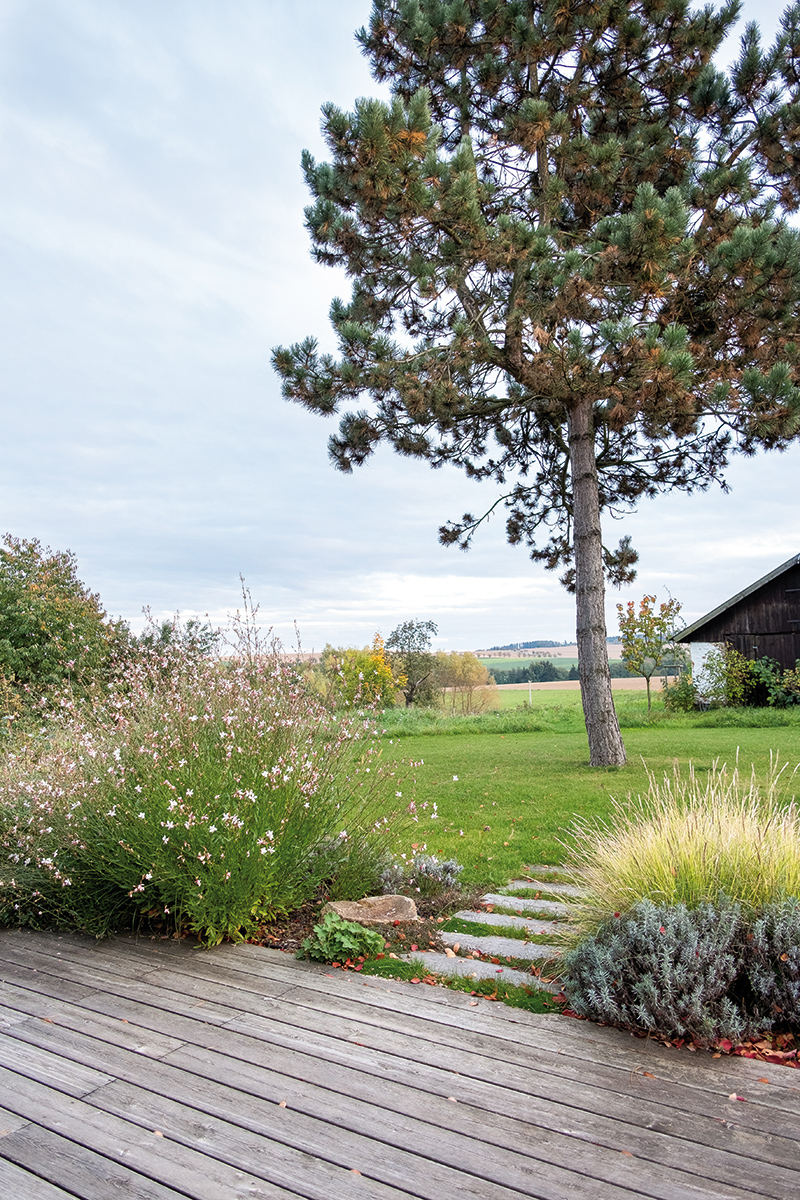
[
  {"x": 627, "y": 1153},
  {"x": 414, "y": 980},
  {"x": 763, "y": 1079},
  {"x": 453, "y": 1099},
  {"x": 158, "y": 1133},
  {"x": 353, "y": 1171},
  {"x": 733, "y": 1096},
  {"x": 473, "y": 1003},
  {"x": 414, "y": 946},
  {"x": 648, "y": 1075},
  {"x": 456, "y": 947},
  {"x": 281, "y": 1104}
]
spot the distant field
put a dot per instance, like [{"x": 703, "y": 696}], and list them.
[{"x": 514, "y": 664}]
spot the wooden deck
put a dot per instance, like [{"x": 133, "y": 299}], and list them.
[{"x": 147, "y": 1070}]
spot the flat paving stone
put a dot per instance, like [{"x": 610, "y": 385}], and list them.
[
  {"x": 556, "y": 889},
  {"x": 526, "y": 904},
  {"x": 501, "y": 921},
  {"x": 475, "y": 968},
  {"x": 501, "y": 947}
]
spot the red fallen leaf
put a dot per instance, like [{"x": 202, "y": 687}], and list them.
[
  {"x": 353, "y": 1171},
  {"x": 626, "y": 1152},
  {"x": 336, "y": 964},
  {"x": 724, "y": 1044},
  {"x": 494, "y": 960},
  {"x": 414, "y": 946},
  {"x": 395, "y": 923},
  {"x": 763, "y": 1079},
  {"x": 560, "y": 998},
  {"x": 414, "y": 980},
  {"x": 359, "y": 967},
  {"x": 733, "y": 1096},
  {"x": 380, "y": 956},
  {"x": 648, "y": 1075}
]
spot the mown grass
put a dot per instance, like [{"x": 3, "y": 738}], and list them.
[{"x": 507, "y": 797}]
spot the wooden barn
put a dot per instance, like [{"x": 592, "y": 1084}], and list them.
[{"x": 763, "y": 621}]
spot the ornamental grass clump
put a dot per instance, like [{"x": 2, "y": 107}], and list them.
[
  {"x": 691, "y": 839},
  {"x": 203, "y": 792}
]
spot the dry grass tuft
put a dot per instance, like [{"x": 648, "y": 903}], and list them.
[{"x": 692, "y": 838}]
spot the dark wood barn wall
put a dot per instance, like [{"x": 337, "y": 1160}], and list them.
[{"x": 763, "y": 624}]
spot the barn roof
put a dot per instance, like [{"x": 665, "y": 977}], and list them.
[{"x": 687, "y": 633}]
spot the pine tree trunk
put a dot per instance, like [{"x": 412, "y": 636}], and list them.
[{"x": 605, "y": 741}]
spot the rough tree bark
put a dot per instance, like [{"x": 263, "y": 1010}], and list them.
[{"x": 605, "y": 741}]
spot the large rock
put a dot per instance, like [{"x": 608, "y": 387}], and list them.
[{"x": 375, "y": 910}]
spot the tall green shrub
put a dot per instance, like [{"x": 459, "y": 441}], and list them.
[
  {"x": 52, "y": 628},
  {"x": 209, "y": 793}
]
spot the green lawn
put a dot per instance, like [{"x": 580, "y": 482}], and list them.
[{"x": 527, "y": 786}]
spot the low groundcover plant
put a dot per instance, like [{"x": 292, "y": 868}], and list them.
[
  {"x": 336, "y": 940},
  {"x": 205, "y": 792}
]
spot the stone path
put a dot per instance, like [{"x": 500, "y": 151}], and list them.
[{"x": 547, "y": 917}]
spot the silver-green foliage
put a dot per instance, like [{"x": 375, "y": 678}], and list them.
[
  {"x": 774, "y": 962},
  {"x": 663, "y": 968}
]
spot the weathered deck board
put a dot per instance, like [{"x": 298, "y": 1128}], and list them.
[{"x": 151, "y": 1070}]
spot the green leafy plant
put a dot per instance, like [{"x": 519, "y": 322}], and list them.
[
  {"x": 648, "y": 636},
  {"x": 337, "y": 940},
  {"x": 725, "y": 677},
  {"x": 52, "y": 628},
  {"x": 680, "y": 696}
]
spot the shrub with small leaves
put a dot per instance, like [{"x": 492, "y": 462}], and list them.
[
  {"x": 773, "y": 964},
  {"x": 665, "y": 969},
  {"x": 337, "y": 940},
  {"x": 432, "y": 875}
]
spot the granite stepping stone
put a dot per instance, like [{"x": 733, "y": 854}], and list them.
[
  {"x": 501, "y": 921},
  {"x": 500, "y": 947},
  {"x": 555, "y": 889},
  {"x": 526, "y": 904},
  {"x": 474, "y": 968}
]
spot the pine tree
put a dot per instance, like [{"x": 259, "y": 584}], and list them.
[{"x": 572, "y": 274}]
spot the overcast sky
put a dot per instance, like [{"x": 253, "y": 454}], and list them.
[{"x": 153, "y": 253}]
